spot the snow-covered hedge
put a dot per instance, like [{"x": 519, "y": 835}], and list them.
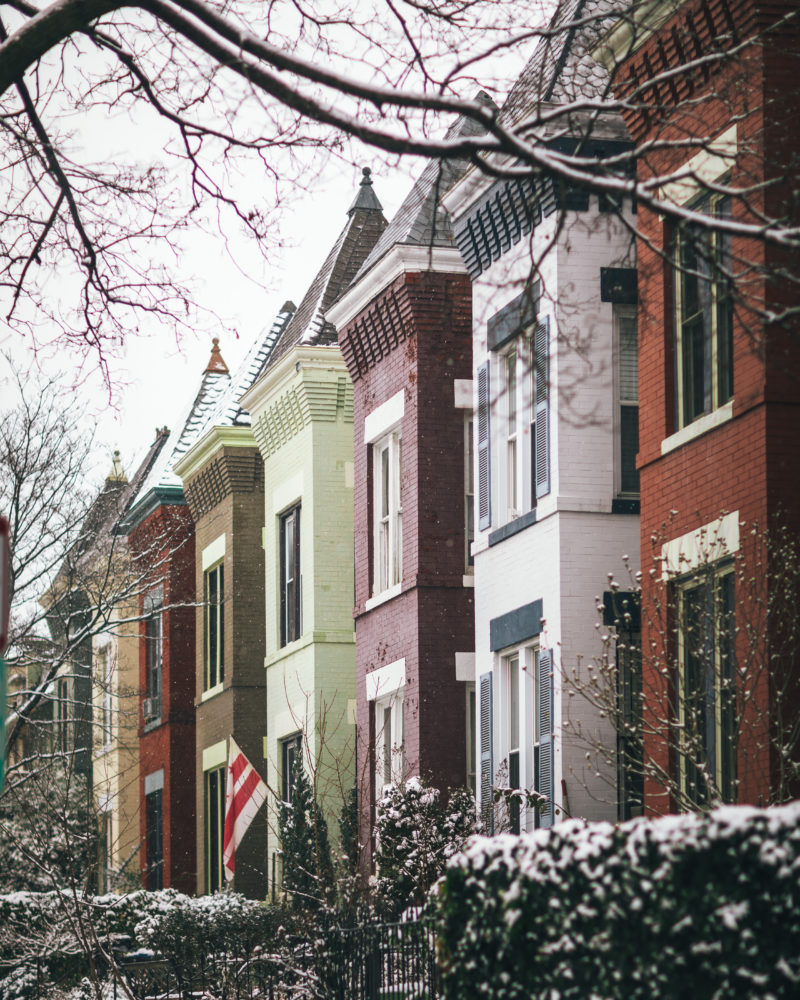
[{"x": 688, "y": 906}]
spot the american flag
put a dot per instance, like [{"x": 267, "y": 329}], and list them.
[{"x": 245, "y": 794}]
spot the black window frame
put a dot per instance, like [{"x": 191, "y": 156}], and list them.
[
  {"x": 214, "y": 631},
  {"x": 291, "y": 749},
  {"x": 290, "y": 584},
  {"x": 154, "y": 838}
]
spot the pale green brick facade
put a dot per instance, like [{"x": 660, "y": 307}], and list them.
[{"x": 302, "y": 415}]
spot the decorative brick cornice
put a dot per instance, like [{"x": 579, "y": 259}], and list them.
[
  {"x": 306, "y": 387},
  {"x": 377, "y": 330},
  {"x": 238, "y": 470}
]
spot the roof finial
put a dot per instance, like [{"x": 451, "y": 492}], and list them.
[
  {"x": 117, "y": 473},
  {"x": 216, "y": 365},
  {"x": 366, "y": 198}
]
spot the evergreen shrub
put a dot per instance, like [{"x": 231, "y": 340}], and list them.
[{"x": 701, "y": 906}]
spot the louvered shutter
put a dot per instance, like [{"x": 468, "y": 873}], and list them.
[
  {"x": 484, "y": 455},
  {"x": 487, "y": 811},
  {"x": 541, "y": 381},
  {"x": 544, "y": 708}
]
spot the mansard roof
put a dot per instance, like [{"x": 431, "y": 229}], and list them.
[
  {"x": 561, "y": 68},
  {"x": 364, "y": 226},
  {"x": 421, "y": 220}
]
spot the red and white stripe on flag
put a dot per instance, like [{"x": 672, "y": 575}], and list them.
[{"x": 244, "y": 796}]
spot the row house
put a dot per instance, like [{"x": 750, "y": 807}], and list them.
[
  {"x": 405, "y": 333},
  {"x": 223, "y": 483},
  {"x": 302, "y": 417},
  {"x": 720, "y": 394},
  {"x": 555, "y": 397},
  {"x": 161, "y": 538}
]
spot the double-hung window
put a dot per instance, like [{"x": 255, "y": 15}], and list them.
[
  {"x": 153, "y": 635},
  {"x": 628, "y": 398},
  {"x": 704, "y": 313},
  {"x": 512, "y": 411},
  {"x": 469, "y": 490},
  {"x": 706, "y": 687},
  {"x": 512, "y": 685},
  {"x": 214, "y": 800},
  {"x": 214, "y": 626},
  {"x": 291, "y": 748},
  {"x": 388, "y": 508},
  {"x": 291, "y": 590},
  {"x": 389, "y": 741},
  {"x": 154, "y": 839}
]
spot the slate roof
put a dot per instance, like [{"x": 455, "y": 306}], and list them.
[
  {"x": 364, "y": 226},
  {"x": 561, "y": 68},
  {"x": 421, "y": 220},
  {"x": 229, "y": 412}
]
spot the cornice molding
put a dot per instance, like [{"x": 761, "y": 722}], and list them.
[
  {"x": 632, "y": 31},
  {"x": 212, "y": 441},
  {"x": 401, "y": 259}
]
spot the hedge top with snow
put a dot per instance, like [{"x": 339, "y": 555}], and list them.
[{"x": 694, "y": 905}]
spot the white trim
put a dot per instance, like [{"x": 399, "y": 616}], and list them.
[
  {"x": 709, "y": 544},
  {"x": 632, "y": 30},
  {"x": 697, "y": 427},
  {"x": 384, "y": 417},
  {"x": 465, "y": 667},
  {"x": 105, "y": 802},
  {"x": 215, "y": 756},
  {"x": 386, "y": 680},
  {"x": 211, "y": 692},
  {"x": 287, "y": 493},
  {"x": 213, "y": 553},
  {"x": 383, "y": 597},
  {"x": 462, "y": 391},
  {"x": 401, "y": 259},
  {"x": 468, "y": 581},
  {"x": 154, "y": 782},
  {"x": 703, "y": 168}
]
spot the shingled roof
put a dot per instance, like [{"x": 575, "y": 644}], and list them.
[
  {"x": 365, "y": 223},
  {"x": 561, "y": 68},
  {"x": 421, "y": 220}
]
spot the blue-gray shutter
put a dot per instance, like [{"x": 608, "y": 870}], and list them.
[
  {"x": 484, "y": 453},
  {"x": 487, "y": 770},
  {"x": 544, "y": 708},
  {"x": 541, "y": 383}
]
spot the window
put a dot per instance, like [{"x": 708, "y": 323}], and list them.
[
  {"x": 622, "y": 616},
  {"x": 63, "y": 715},
  {"x": 388, "y": 506},
  {"x": 628, "y": 392},
  {"x": 469, "y": 490},
  {"x": 706, "y": 687},
  {"x": 214, "y": 626},
  {"x": 471, "y": 740},
  {"x": 106, "y": 852},
  {"x": 511, "y": 406},
  {"x": 291, "y": 595},
  {"x": 704, "y": 314},
  {"x": 214, "y": 799},
  {"x": 107, "y": 661},
  {"x": 154, "y": 839},
  {"x": 153, "y": 653},
  {"x": 512, "y": 708},
  {"x": 389, "y": 741},
  {"x": 291, "y": 748}
]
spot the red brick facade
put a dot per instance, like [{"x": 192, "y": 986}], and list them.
[
  {"x": 415, "y": 337},
  {"x": 164, "y": 540},
  {"x": 748, "y": 462}
]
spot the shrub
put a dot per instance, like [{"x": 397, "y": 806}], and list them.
[
  {"x": 416, "y": 836},
  {"x": 701, "y": 906}
]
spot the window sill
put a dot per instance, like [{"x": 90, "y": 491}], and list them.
[
  {"x": 468, "y": 581},
  {"x": 383, "y": 597},
  {"x": 152, "y": 724},
  {"x": 212, "y": 692},
  {"x": 512, "y": 528},
  {"x": 698, "y": 427}
]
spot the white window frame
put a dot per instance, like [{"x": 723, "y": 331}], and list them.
[
  {"x": 526, "y": 657},
  {"x": 385, "y": 689},
  {"x": 469, "y": 492},
  {"x": 511, "y": 410},
  {"x": 388, "y": 512}
]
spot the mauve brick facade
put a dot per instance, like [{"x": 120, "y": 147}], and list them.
[
  {"x": 416, "y": 337},
  {"x": 165, "y": 540},
  {"x": 749, "y": 463}
]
